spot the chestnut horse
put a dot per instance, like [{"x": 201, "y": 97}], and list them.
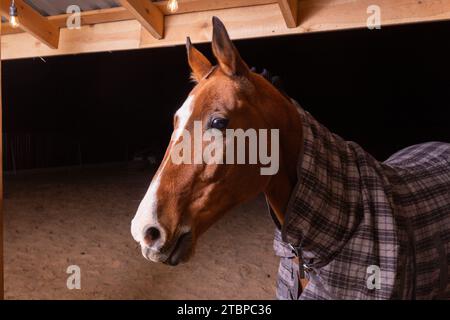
[
  {"x": 183, "y": 200},
  {"x": 346, "y": 217}
]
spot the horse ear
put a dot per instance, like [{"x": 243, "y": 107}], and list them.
[
  {"x": 226, "y": 53},
  {"x": 199, "y": 64}
]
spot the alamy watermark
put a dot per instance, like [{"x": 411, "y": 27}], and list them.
[
  {"x": 74, "y": 19},
  {"x": 74, "y": 280},
  {"x": 214, "y": 146},
  {"x": 374, "y": 278},
  {"x": 374, "y": 20}
]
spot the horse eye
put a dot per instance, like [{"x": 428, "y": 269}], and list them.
[{"x": 219, "y": 123}]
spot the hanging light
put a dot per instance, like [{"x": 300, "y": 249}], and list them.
[
  {"x": 13, "y": 16},
  {"x": 172, "y": 5}
]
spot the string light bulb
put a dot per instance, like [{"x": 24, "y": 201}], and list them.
[
  {"x": 13, "y": 16},
  {"x": 172, "y": 5}
]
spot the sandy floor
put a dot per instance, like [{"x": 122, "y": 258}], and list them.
[{"x": 82, "y": 217}]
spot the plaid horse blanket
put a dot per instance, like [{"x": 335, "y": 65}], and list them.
[{"x": 352, "y": 218}]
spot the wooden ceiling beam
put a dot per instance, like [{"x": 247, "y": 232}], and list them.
[
  {"x": 186, "y": 6},
  {"x": 8, "y": 29},
  {"x": 95, "y": 16},
  {"x": 33, "y": 23},
  {"x": 289, "y": 9},
  {"x": 148, "y": 15}
]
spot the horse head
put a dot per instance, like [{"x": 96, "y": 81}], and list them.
[{"x": 200, "y": 179}]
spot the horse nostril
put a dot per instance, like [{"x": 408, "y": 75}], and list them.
[{"x": 152, "y": 234}]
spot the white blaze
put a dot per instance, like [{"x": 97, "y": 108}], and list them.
[
  {"x": 146, "y": 215},
  {"x": 183, "y": 114}
]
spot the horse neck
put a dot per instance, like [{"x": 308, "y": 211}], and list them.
[{"x": 287, "y": 119}]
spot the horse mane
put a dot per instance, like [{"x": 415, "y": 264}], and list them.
[
  {"x": 266, "y": 74},
  {"x": 274, "y": 80}
]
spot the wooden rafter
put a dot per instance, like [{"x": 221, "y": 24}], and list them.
[
  {"x": 8, "y": 29},
  {"x": 289, "y": 9},
  {"x": 95, "y": 16},
  {"x": 33, "y": 23},
  {"x": 149, "y": 15}
]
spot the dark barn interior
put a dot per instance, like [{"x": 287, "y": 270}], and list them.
[{"x": 385, "y": 89}]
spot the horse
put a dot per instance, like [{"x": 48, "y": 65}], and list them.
[{"x": 347, "y": 225}]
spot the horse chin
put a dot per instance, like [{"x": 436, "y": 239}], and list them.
[{"x": 181, "y": 251}]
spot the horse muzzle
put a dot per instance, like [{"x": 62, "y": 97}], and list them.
[{"x": 178, "y": 250}]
